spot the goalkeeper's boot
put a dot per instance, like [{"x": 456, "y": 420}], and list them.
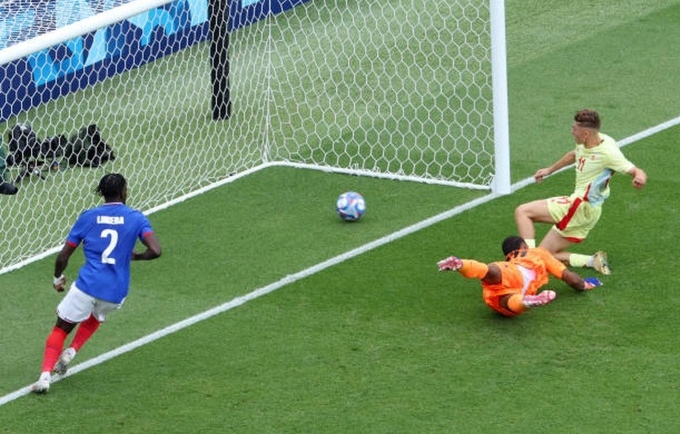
[
  {"x": 541, "y": 299},
  {"x": 451, "y": 263},
  {"x": 600, "y": 263},
  {"x": 62, "y": 364},
  {"x": 43, "y": 383}
]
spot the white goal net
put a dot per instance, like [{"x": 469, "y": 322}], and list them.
[{"x": 401, "y": 89}]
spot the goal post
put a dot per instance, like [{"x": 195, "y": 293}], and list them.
[
  {"x": 406, "y": 89},
  {"x": 502, "y": 180}
]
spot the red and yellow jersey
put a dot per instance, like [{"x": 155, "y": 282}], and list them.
[{"x": 594, "y": 168}]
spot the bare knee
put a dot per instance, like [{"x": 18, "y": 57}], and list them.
[
  {"x": 521, "y": 211},
  {"x": 557, "y": 245}
]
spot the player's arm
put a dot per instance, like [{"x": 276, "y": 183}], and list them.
[
  {"x": 556, "y": 268},
  {"x": 639, "y": 177},
  {"x": 494, "y": 275},
  {"x": 574, "y": 280},
  {"x": 60, "y": 265},
  {"x": 578, "y": 283},
  {"x": 490, "y": 274},
  {"x": 618, "y": 162},
  {"x": 566, "y": 160},
  {"x": 153, "y": 248}
]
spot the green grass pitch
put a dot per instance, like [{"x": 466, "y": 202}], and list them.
[{"x": 382, "y": 342}]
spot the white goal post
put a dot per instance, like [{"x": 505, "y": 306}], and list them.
[{"x": 403, "y": 89}]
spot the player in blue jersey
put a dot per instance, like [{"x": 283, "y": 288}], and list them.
[
  {"x": 596, "y": 157},
  {"x": 108, "y": 234}
]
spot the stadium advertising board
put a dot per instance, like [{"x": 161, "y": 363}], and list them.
[{"x": 91, "y": 58}]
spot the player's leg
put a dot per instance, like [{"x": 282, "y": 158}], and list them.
[
  {"x": 584, "y": 221},
  {"x": 599, "y": 262},
  {"x": 74, "y": 308},
  {"x": 85, "y": 331},
  {"x": 511, "y": 305},
  {"x": 503, "y": 305},
  {"x": 529, "y": 213},
  {"x": 541, "y": 299},
  {"x": 575, "y": 221},
  {"x": 561, "y": 236},
  {"x": 556, "y": 244},
  {"x": 53, "y": 346}
]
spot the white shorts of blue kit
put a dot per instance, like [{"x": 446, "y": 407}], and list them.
[{"x": 76, "y": 306}]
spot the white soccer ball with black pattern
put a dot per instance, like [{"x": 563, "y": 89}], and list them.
[{"x": 350, "y": 206}]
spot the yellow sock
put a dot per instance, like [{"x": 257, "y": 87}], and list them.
[
  {"x": 576, "y": 260},
  {"x": 531, "y": 243}
]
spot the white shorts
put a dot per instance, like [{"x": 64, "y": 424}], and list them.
[{"x": 76, "y": 306}]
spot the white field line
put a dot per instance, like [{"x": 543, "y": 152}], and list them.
[{"x": 238, "y": 301}]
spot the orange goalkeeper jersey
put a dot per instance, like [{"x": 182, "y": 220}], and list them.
[{"x": 536, "y": 267}]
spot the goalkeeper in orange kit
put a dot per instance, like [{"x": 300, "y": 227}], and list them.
[{"x": 512, "y": 286}]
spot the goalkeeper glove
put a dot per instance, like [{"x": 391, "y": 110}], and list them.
[
  {"x": 591, "y": 282},
  {"x": 451, "y": 263}
]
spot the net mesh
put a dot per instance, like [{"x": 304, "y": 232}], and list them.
[{"x": 397, "y": 89}]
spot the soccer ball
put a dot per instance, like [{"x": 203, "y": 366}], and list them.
[{"x": 350, "y": 206}]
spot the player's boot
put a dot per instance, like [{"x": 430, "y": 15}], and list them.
[
  {"x": 451, "y": 263},
  {"x": 43, "y": 383},
  {"x": 62, "y": 364},
  {"x": 541, "y": 299},
  {"x": 600, "y": 263}
]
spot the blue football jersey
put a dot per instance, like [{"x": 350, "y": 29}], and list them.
[{"x": 108, "y": 234}]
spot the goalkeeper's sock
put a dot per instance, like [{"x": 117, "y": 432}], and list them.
[
  {"x": 531, "y": 243},
  {"x": 53, "y": 347},
  {"x": 516, "y": 303},
  {"x": 577, "y": 260},
  {"x": 85, "y": 331}
]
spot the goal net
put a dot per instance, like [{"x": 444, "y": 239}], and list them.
[{"x": 401, "y": 89}]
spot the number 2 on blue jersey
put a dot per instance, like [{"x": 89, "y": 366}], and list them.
[{"x": 106, "y": 254}]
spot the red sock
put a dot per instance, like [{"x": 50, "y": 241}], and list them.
[
  {"x": 85, "y": 331},
  {"x": 53, "y": 347}
]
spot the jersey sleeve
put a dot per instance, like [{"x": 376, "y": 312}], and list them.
[
  {"x": 615, "y": 160},
  {"x": 552, "y": 265},
  {"x": 144, "y": 226},
  {"x": 78, "y": 231}
]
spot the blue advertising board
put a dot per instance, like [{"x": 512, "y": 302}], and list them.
[{"x": 96, "y": 56}]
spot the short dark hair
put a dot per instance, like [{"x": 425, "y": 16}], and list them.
[
  {"x": 512, "y": 243},
  {"x": 587, "y": 118},
  {"x": 111, "y": 186}
]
